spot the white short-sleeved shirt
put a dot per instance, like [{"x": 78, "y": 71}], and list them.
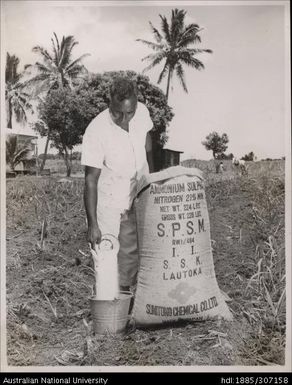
[{"x": 120, "y": 154}]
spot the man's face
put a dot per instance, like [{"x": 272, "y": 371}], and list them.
[{"x": 122, "y": 112}]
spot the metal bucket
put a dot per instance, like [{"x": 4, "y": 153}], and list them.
[{"x": 111, "y": 316}]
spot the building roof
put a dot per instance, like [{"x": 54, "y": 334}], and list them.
[
  {"x": 172, "y": 145},
  {"x": 25, "y": 132},
  {"x": 174, "y": 142},
  {"x": 170, "y": 149}
]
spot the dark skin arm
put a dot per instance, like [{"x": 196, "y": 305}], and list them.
[
  {"x": 149, "y": 153},
  {"x": 90, "y": 201}
]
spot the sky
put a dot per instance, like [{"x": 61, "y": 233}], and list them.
[{"x": 241, "y": 91}]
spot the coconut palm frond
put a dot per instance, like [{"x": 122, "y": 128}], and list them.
[
  {"x": 17, "y": 87},
  {"x": 181, "y": 76},
  {"x": 11, "y": 144},
  {"x": 75, "y": 71},
  {"x": 163, "y": 73},
  {"x": 61, "y": 50},
  {"x": 158, "y": 37},
  {"x": 15, "y": 153},
  {"x": 192, "y": 28},
  {"x": 77, "y": 61},
  {"x": 67, "y": 45},
  {"x": 156, "y": 60},
  {"x": 72, "y": 46},
  {"x": 27, "y": 69},
  {"x": 189, "y": 35},
  {"x": 43, "y": 86},
  {"x": 165, "y": 29},
  {"x": 57, "y": 41},
  {"x": 154, "y": 56},
  {"x": 150, "y": 44},
  {"x": 192, "y": 62},
  {"x": 43, "y": 52},
  {"x": 188, "y": 40},
  {"x": 11, "y": 74},
  {"x": 55, "y": 52},
  {"x": 64, "y": 57},
  {"x": 24, "y": 101},
  {"x": 177, "y": 24},
  {"x": 42, "y": 68},
  {"x": 40, "y": 84},
  {"x": 21, "y": 154},
  {"x": 38, "y": 78},
  {"x": 16, "y": 93},
  {"x": 20, "y": 113},
  {"x": 151, "y": 56},
  {"x": 193, "y": 51}
]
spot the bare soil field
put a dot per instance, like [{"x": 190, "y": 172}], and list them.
[{"x": 49, "y": 278}]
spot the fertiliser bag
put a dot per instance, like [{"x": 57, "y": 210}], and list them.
[{"x": 176, "y": 278}]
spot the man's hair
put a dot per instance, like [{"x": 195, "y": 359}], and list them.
[{"x": 123, "y": 88}]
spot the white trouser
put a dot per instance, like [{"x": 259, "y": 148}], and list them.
[{"x": 123, "y": 226}]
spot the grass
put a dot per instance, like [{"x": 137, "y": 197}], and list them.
[
  {"x": 265, "y": 292},
  {"x": 47, "y": 253},
  {"x": 262, "y": 224}
]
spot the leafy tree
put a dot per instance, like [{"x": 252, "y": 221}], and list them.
[
  {"x": 216, "y": 143},
  {"x": 249, "y": 157},
  {"x": 63, "y": 115},
  {"x": 66, "y": 113},
  {"x": 172, "y": 45},
  {"x": 15, "y": 152},
  {"x": 16, "y": 97},
  {"x": 225, "y": 156},
  {"x": 96, "y": 88},
  {"x": 57, "y": 70}
]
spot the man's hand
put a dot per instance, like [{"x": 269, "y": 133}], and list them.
[{"x": 93, "y": 235}]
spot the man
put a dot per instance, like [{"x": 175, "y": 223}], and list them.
[
  {"x": 221, "y": 168},
  {"x": 116, "y": 152}
]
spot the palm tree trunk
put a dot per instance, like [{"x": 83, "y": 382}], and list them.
[
  {"x": 174, "y": 158},
  {"x": 45, "y": 154},
  {"x": 168, "y": 83},
  {"x": 9, "y": 122},
  {"x": 162, "y": 155}
]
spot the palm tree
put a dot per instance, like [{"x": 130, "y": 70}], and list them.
[
  {"x": 15, "y": 153},
  {"x": 16, "y": 97},
  {"x": 57, "y": 70},
  {"x": 172, "y": 46}
]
